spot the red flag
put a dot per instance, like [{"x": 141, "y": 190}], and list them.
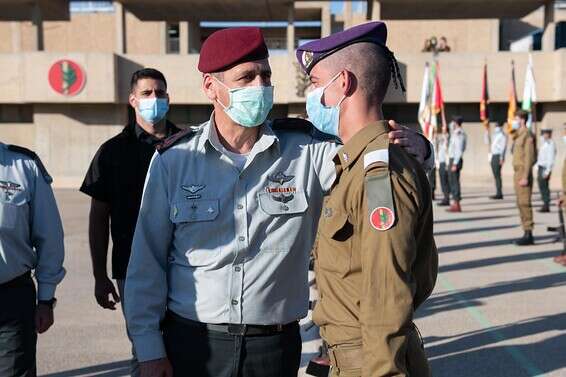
[
  {"x": 512, "y": 99},
  {"x": 484, "y": 110},
  {"x": 437, "y": 99}
]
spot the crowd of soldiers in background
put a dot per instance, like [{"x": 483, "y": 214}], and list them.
[{"x": 450, "y": 146}]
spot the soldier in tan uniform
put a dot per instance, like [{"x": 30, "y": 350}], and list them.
[
  {"x": 524, "y": 157},
  {"x": 375, "y": 257}
]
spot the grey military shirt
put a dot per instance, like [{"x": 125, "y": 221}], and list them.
[{"x": 31, "y": 234}]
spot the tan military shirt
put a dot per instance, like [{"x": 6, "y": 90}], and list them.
[
  {"x": 524, "y": 153},
  {"x": 376, "y": 259}
]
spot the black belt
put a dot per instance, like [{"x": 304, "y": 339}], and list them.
[
  {"x": 234, "y": 329},
  {"x": 18, "y": 281}
]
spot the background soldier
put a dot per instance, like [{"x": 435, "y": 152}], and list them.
[
  {"x": 497, "y": 158},
  {"x": 561, "y": 259},
  {"x": 524, "y": 157},
  {"x": 456, "y": 149},
  {"x": 376, "y": 260},
  {"x": 31, "y": 238},
  {"x": 442, "y": 159},
  {"x": 115, "y": 182},
  {"x": 545, "y": 162}
]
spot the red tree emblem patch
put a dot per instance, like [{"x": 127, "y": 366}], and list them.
[
  {"x": 382, "y": 218},
  {"x": 66, "y": 77}
]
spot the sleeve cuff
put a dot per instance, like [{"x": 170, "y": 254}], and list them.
[
  {"x": 45, "y": 291},
  {"x": 149, "y": 347}
]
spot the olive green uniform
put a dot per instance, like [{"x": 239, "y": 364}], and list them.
[
  {"x": 370, "y": 280},
  {"x": 524, "y": 157}
]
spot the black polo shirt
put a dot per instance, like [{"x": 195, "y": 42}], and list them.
[{"x": 116, "y": 176}]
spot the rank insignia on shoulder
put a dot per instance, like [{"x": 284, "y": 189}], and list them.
[
  {"x": 380, "y": 155},
  {"x": 382, "y": 218}
]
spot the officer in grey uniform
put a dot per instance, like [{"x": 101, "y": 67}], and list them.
[
  {"x": 545, "y": 163},
  {"x": 31, "y": 238},
  {"x": 217, "y": 278},
  {"x": 497, "y": 158}
]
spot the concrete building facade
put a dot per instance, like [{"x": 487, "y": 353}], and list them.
[{"x": 109, "y": 40}]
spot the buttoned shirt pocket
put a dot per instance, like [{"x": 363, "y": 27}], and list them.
[
  {"x": 285, "y": 214},
  {"x": 279, "y": 204},
  {"x": 196, "y": 216},
  {"x": 335, "y": 241},
  {"x": 9, "y": 213}
]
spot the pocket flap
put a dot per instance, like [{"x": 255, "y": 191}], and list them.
[
  {"x": 283, "y": 204},
  {"x": 337, "y": 226},
  {"x": 194, "y": 210}
]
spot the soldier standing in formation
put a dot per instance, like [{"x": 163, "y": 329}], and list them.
[
  {"x": 456, "y": 149},
  {"x": 497, "y": 158},
  {"x": 442, "y": 160},
  {"x": 524, "y": 157},
  {"x": 545, "y": 162}
]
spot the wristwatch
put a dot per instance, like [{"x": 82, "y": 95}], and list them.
[{"x": 50, "y": 303}]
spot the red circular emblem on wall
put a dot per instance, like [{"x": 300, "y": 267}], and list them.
[
  {"x": 67, "y": 77},
  {"x": 382, "y": 218}
]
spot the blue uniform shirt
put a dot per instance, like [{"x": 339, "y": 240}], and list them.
[{"x": 31, "y": 234}]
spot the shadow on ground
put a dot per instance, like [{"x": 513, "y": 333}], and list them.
[{"x": 114, "y": 369}]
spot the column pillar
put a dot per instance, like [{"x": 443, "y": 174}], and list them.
[
  {"x": 548, "y": 37},
  {"x": 37, "y": 21},
  {"x": 193, "y": 29},
  {"x": 120, "y": 18},
  {"x": 291, "y": 28},
  {"x": 16, "y": 31},
  {"x": 325, "y": 19},
  {"x": 183, "y": 37}
]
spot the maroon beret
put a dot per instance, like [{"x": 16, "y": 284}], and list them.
[{"x": 228, "y": 47}]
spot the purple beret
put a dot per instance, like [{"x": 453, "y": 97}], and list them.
[
  {"x": 228, "y": 47},
  {"x": 312, "y": 52}
]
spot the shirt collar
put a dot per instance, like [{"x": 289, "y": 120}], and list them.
[
  {"x": 210, "y": 134},
  {"x": 145, "y": 137},
  {"x": 350, "y": 152}
]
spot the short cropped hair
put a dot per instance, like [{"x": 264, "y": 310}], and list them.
[
  {"x": 370, "y": 63},
  {"x": 146, "y": 73},
  {"x": 522, "y": 114}
]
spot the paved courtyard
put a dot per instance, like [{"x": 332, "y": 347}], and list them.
[{"x": 497, "y": 310}]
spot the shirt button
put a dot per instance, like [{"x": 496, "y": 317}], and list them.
[
  {"x": 240, "y": 206},
  {"x": 237, "y": 269},
  {"x": 234, "y": 302},
  {"x": 241, "y": 238}
]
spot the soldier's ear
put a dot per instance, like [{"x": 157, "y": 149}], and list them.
[
  {"x": 209, "y": 86},
  {"x": 349, "y": 83},
  {"x": 132, "y": 100}
]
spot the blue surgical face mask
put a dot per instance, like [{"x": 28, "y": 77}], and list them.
[
  {"x": 515, "y": 125},
  {"x": 325, "y": 118},
  {"x": 249, "y": 105},
  {"x": 564, "y": 139},
  {"x": 152, "y": 110}
]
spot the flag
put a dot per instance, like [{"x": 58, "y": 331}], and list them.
[
  {"x": 437, "y": 99},
  {"x": 512, "y": 99},
  {"x": 424, "y": 114},
  {"x": 484, "y": 102},
  {"x": 529, "y": 93}
]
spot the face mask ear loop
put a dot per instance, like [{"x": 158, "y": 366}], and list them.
[
  {"x": 327, "y": 85},
  {"x": 229, "y": 94}
]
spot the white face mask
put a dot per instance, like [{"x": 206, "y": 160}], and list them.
[
  {"x": 515, "y": 125},
  {"x": 564, "y": 139}
]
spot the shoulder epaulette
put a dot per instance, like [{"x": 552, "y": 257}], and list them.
[
  {"x": 300, "y": 125},
  {"x": 31, "y": 154},
  {"x": 173, "y": 139}
]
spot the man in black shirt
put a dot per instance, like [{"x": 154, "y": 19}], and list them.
[{"x": 115, "y": 183}]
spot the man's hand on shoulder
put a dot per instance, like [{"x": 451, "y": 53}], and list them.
[
  {"x": 412, "y": 141},
  {"x": 156, "y": 368}
]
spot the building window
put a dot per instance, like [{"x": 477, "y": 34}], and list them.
[
  {"x": 16, "y": 114},
  {"x": 90, "y": 6},
  {"x": 173, "y": 38}
]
